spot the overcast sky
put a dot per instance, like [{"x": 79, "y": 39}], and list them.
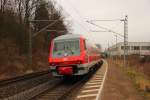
[{"x": 138, "y": 12}]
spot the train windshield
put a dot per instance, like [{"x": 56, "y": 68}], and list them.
[{"x": 66, "y": 48}]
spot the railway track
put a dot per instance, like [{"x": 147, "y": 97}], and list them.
[
  {"x": 25, "y": 87},
  {"x": 60, "y": 91},
  {"x": 64, "y": 90},
  {"x": 39, "y": 86},
  {"x": 92, "y": 90}
]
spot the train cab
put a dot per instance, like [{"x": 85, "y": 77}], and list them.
[{"x": 69, "y": 55}]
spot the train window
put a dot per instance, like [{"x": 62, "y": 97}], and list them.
[{"x": 66, "y": 48}]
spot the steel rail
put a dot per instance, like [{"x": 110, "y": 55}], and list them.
[
  {"x": 22, "y": 78},
  {"x": 80, "y": 83},
  {"x": 62, "y": 91},
  {"x": 26, "y": 86}
]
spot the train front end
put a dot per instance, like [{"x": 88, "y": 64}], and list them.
[{"x": 67, "y": 57}]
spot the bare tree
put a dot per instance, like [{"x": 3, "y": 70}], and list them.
[
  {"x": 3, "y": 4},
  {"x": 19, "y": 8}
]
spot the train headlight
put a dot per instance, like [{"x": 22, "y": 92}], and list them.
[
  {"x": 52, "y": 64},
  {"x": 79, "y": 62}
]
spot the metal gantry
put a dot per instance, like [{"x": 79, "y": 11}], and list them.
[
  {"x": 125, "y": 36},
  {"x": 29, "y": 67},
  {"x": 125, "y": 39}
]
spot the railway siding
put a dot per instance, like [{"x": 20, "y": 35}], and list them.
[
  {"x": 25, "y": 87},
  {"x": 93, "y": 88}
]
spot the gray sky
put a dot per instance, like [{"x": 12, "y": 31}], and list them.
[{"x": 138, "y": 12}]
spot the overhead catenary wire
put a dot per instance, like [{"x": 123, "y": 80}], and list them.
[
  {"x": 77, "y": 22},
  {"x": 107, "y": 29},
  {"x": 106, "y": 20},
  {"x": 43, "y": 20},
  {"x": 35, "y": 34},
  {"x": 116, "y": 26},
  {"x": 77, "y": 12}
]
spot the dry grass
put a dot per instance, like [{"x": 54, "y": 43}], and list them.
[
  {"x": 140, "y": 80},
  {"x": 137, "y": 72},
  {"x": 13, "y": 64}
]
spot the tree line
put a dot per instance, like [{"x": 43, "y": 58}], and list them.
[{"x": 16, "y": 16}]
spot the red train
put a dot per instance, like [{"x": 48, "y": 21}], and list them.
[{"x": 72, "y": 55}]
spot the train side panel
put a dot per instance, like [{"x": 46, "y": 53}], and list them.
[{"x": 94, "y": 56}]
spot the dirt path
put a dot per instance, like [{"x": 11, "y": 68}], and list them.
[{"x": 118, "y": 86}]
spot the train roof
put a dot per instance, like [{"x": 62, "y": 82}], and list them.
[{"x": 68, "y": 36}]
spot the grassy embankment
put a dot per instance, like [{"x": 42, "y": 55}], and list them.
[{"x": 137, "y": 74}]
